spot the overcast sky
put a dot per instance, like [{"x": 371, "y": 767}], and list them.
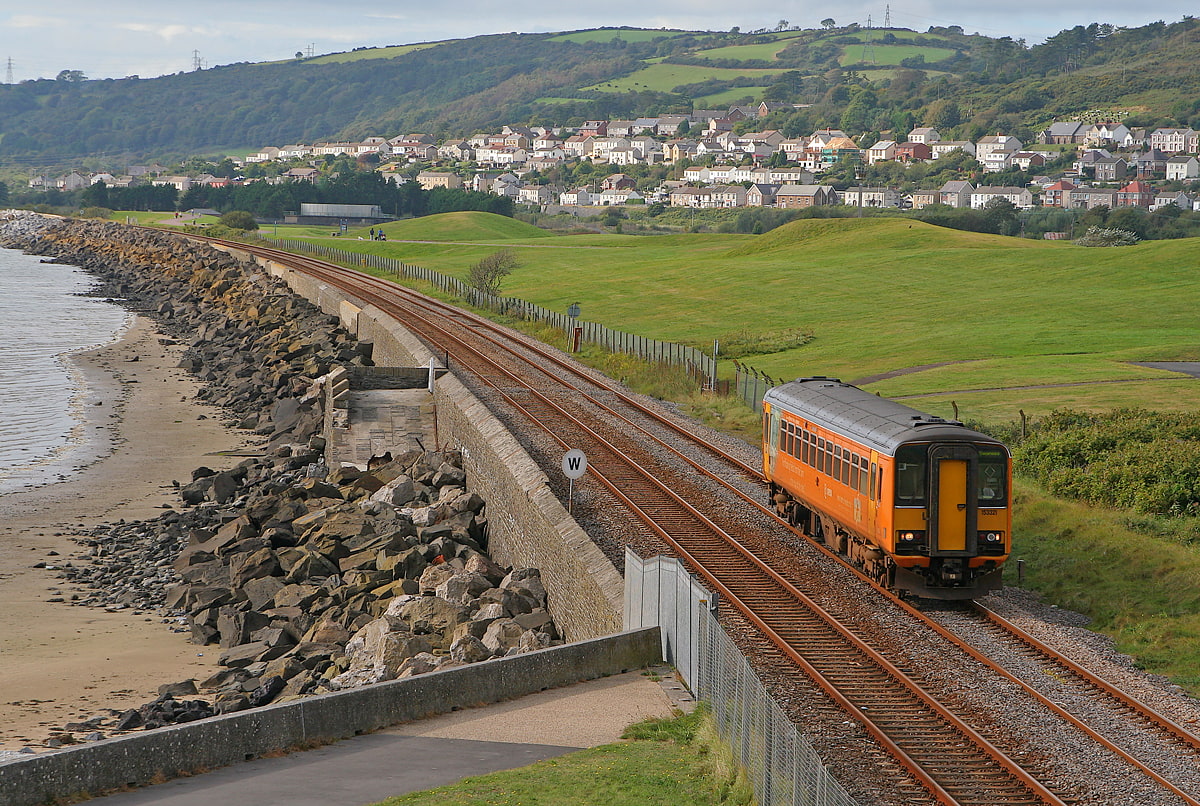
[{"x": 116, "y": 38}]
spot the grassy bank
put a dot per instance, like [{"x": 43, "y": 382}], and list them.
[
  {"x": 666, "y": 761},
  {"x": 1139, "y": 588}
]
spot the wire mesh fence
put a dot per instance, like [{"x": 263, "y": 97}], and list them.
[
  {"x": 701, "y": 367},
  {"x": 780, "y": 763},
  {"x": 751, "y": 384}
]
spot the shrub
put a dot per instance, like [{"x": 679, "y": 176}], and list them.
[{"x": 1107, "y": 236}]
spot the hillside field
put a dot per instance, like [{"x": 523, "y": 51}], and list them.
[{"x": 1014, "y": 324}]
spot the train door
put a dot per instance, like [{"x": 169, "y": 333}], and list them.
[
  {"x": 772, "y": 425},
  {"x": 953, "y": 510}
]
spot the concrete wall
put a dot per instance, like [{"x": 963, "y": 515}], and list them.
[
  {"x": 142, "y": 758},
  {"x": 528, "y": 526}
]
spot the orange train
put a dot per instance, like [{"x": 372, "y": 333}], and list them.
[{"x": 919, "y": 503}]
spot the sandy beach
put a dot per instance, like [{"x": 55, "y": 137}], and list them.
[{"x": 60, "y": 663}]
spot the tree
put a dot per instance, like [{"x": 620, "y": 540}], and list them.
[
  {"x": 239, "y": 219},
  {"x": 782, "y": 25},
  {"x": 487, "y": 274},
  {"x": 73, "y": 76},
  {"x": 1001, "y": 215},
  {"x": 828, "y": 23}
]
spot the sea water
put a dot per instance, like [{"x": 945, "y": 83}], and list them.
[{"x": 44, "y": 317}]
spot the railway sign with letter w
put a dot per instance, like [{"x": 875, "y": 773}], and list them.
[{"x": 574, "y": 465}]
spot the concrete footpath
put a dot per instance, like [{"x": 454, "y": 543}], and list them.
[{"x": 420, "y": 755}]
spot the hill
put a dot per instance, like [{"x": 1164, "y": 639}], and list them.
[{"x": 857, "y": 79}]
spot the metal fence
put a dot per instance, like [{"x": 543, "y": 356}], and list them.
[
  {"x": 701, "y": 367},
  {"x": 751, "y": 384},
  {"x": 781, "y": 764}
]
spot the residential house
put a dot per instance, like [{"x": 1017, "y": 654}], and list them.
[
  {"x": 914, "y": 152},
  {"x": 601, "y": 146},
  {"x": 439, "y": 179},
  {"x": 536, "y": 194},
  {"x": 1136, "y": 194},
  {"x": 1089, "y": 198},
  {"x": 579, "y": 146},
  {"x": 925, "y": 134},
  {"x": 622, "y": 128},
  {"x": 676, "y": 150},
  {"x": 1053, "y": 195},
  {"x": 618, "y": 196},
  {"x": 869, "y": 197},
  {"x": 645, "y": 126},
  {"x": 822, "y": 137},
  {"x": 995, "y": 152},
  {"x": 668, "y": 125},
  {"x": 458, "y": 150},
  {"x": 1182, "y": 167},
  {"x": 1103, "y": 134},
  {"x": 1109, "y": 169},
  {"x": 767, "y": 107},
  {"x": 943, "y": 147},
  {"x": 577, "y": 197},
  {"x": 1021, "y": 197},
  {"x": 800, "y": 196},
  {"x": 617, "y": 182},
  {"x": 956, "y": 193},
  {"x": 919, "y": 199},
  {"x": 302, "y": 175},
  {"x": 594, "y": 128},
  {"x": 180, "y": 183},
  {"x": 1178, "y": 198},
  {"x": 881, "y": 151},
  {"x": 268, "y": 154},
  {"x": 837, "y": 149},
  {"x": 691, "y": 197},
  {"x": 728, "y": 196},
  {"x": 1174, "y": 141},
  {"x": 1085, "y": 163},
  {"x": 1026, "y": 160},
  {"x": 295, "y": 151},
  {"x": 1150, "y": 164}
]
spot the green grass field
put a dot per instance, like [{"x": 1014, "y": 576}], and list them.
[
  {"x": 728, "y": 97},
  {"x": 891, "y": 54},
  {"x": 666, "y": 77},
  {"x": 764, "y": 52},
  {"x": 1027, "y": 324}
]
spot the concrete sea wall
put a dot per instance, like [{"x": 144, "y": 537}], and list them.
[{"x": 143, "y": 758}]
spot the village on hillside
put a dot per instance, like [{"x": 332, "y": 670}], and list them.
[{"x": 726, "y": 165}]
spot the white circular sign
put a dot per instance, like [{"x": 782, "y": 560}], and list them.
[{"x": 574, "y": 464}]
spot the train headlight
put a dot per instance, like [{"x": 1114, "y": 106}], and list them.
[
  {"x": 991, "y": 542},
  {"x": 910, "y": 541}
]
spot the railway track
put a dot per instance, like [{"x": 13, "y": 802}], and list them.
[{"x": 954, "y": 763}]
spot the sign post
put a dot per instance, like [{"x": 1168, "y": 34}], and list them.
[
  {"x": 576, "y": 333},
  {"x": 574, "y": 465}
]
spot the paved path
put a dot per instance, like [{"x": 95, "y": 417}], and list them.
[{"x": 429, "y": 753}]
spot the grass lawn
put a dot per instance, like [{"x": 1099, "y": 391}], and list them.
[
  {"x": 669, "y": 761},
  {"x": 666, "y": 77}
]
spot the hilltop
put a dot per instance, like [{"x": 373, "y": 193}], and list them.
[{"x": 855, "y": 78}]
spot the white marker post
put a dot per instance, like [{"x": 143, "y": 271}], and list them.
[{"x": 574, "y": 465}]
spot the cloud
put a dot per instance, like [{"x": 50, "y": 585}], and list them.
[
  {"x": 30, "y": 21},
  {"x": 166, "y": 32}
]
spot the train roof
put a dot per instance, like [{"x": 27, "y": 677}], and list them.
[{"x": 871, "y": 420}]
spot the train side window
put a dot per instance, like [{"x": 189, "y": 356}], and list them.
[
  {"x": 855, "y": 476},
  {"x": 910, "y": 475},
  {"x": 863, "y": 474},
  {"x": 872, "y": 482},
  {"x": 787, "y": 438},
  {"x": 820, "y": 455},
  {"x": 804, "y": 446},
  {"x": 844, "y": 467}
]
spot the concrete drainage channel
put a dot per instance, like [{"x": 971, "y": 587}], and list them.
[{"x": 143, "y": 758}]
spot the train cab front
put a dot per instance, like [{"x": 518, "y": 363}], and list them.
[{"x": 953, "y": 525}]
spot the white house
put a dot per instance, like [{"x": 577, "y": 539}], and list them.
[
  {"x": 1021, "y": 197},
  {"x": 1182, "y": 167}
]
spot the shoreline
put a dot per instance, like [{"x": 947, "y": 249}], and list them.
[{"x": 142, "y": 428}]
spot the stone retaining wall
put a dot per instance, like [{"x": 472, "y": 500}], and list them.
[
  {"x": 528, "y": 526},
  {"x": 142, "y": 758}
]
